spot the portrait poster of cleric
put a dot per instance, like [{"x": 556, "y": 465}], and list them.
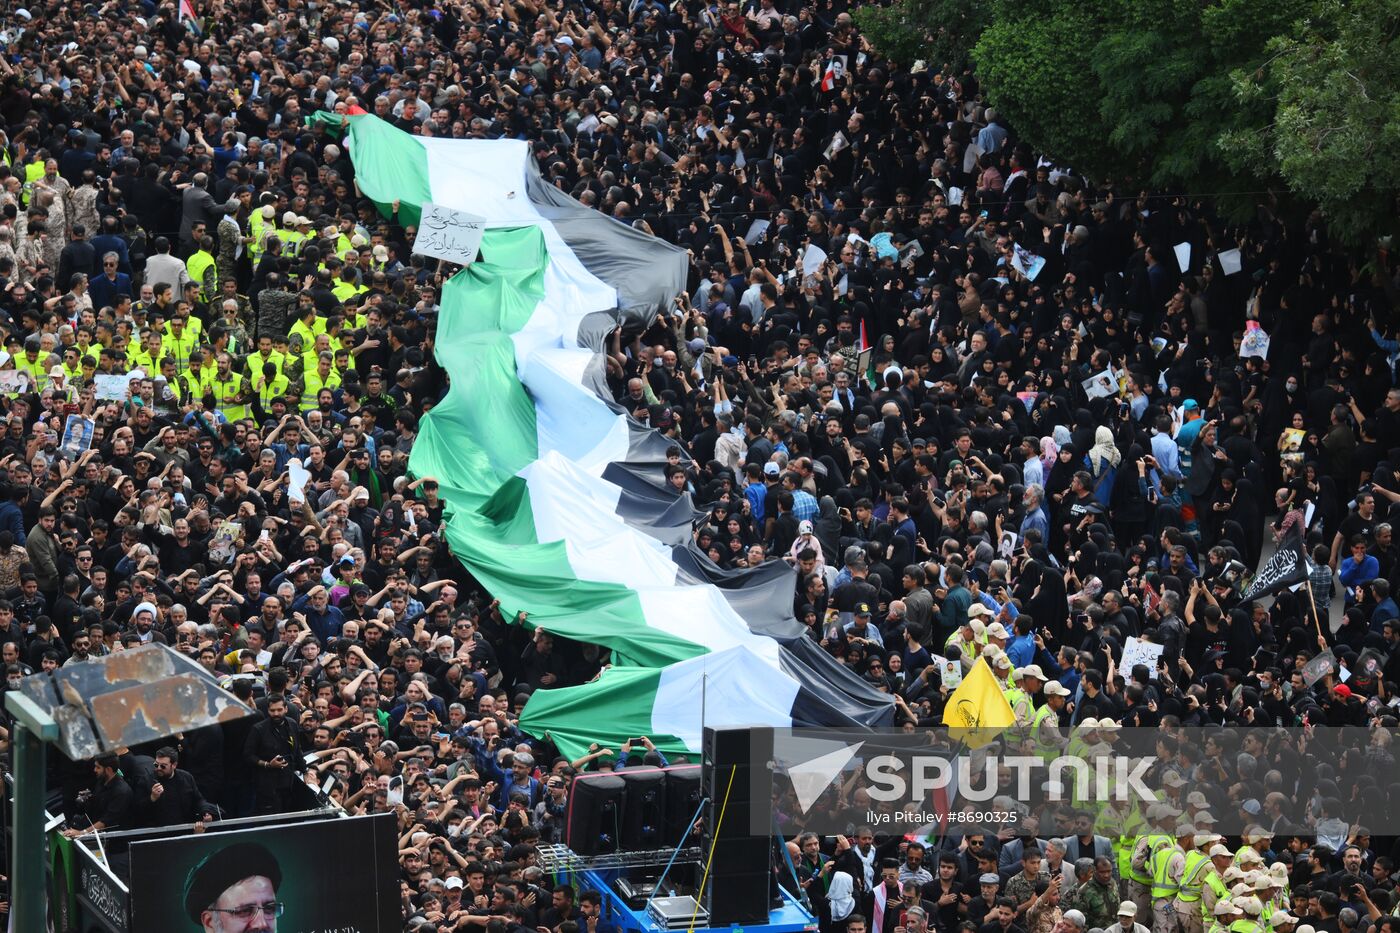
[{"x": 326, "y": 876}]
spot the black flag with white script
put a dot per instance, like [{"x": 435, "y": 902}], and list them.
[{"x": 1287, "y": 567}]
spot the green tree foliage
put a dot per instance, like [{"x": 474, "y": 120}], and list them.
[
  {"x": 1216, "y": 97},
  {"x": 1036, "y": 68},
  {"x": 1334, "y": 92},
  {"x": 940, "y": 32}
]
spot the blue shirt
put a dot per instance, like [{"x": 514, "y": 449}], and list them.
[
  {"x": 1164, "y": 451},
  {"x": 1032, "y": 472},
  {"x": 804, "y": 505},
  {"x": 1036, "y": 520},
  {"x": 1354, "y": 573},
  {"x": 756, "y": 493},
  {"x": 1021, "y": 650},
  {"x": 991, "y": 137}
]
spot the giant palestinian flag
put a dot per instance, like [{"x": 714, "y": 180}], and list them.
[{"x": 555, "y": 496}]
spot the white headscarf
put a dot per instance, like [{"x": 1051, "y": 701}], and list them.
[
  {"x": 839, "y": 896},
  {"x": 1103, "y": 449}
]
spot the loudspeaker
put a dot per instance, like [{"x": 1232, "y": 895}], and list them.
[
  {"x": 644, "y": 809},
  {"x": 736, "y": 895},
  {"x": 683, "y": 796},
  {"x": 737, "y": 778},
  {"x": 594, "y": 823}
]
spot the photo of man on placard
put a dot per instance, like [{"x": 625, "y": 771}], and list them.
[{"x": 234, "y": 890}]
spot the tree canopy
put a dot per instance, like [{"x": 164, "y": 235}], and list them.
[{"x": 1231, "y": 98}]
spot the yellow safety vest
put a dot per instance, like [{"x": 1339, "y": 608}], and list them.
[
  {"x": 1216, "y": 884},
  {"x": 1191, "y": 877},
  {"x": 193, "y": 387},
  {"x": 308, "y": 335},
  {"x": 1244, "y": 926},
  {"x": 198, "y": 265},
  {"x": 35, "y": 369},
  {"x": 1162, "y": 885},
  {"x": 228, "y": 393},
  {"x": 1155, "y": 842},
  {"x": 256, "y": 362},
  {"x": 146, "y": 361},
  {"x": 1046, "y": 748},
  {"x": 178, "y": 349},
  {"x": 256, "y": 222},
  {"x": 312, "y": 384},
  {"x": 33, "y": 171},
  {"x": 276, "y": 387},
  {"x": 344, "y": 291},
  {"x": 1123, "y": 853}
]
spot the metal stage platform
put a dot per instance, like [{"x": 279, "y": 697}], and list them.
[{"x": 627, "y": 883}]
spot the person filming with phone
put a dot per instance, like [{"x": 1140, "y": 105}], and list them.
[{"x": 274, "y": 752}]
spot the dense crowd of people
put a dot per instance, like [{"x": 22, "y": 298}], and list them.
[{"x": 984, "y": 406}]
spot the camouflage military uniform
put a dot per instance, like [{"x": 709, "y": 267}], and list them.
[{"x": 1099, "y": 902}]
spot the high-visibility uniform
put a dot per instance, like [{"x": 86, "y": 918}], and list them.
[
  {"x": 1164, "y": 889},
  {"x": 192, "y": 385},
  {"x": 313, "y": 383},
  {"x": 342, "y": 246},
  {"x": 1140, "y": 866},
  {"x": 291, "y": 242},
  {"x": 200, "y": 265},
  {"x": 1245, "y": 926},
  {"x": 179, "y": 349},
  {"x": 1188, "y": 897},
  {"x": 228, "y": 393},
  {"x": 257, "y": 227},
  {"x": 1213, "y": 890},
  {"x": 1043, "y": 734},
  {"x": 145, "y": 360},
  {"x": 33, "y": 171},
  {"x": 1122, "y": 853},
  {"x": 269, "y": 389},
  {"x": 35, "y": 368},
  {"x": 256, "y": 362},
  {"x": 344, "y": 291},
  {"x": 307, "y": 334}
]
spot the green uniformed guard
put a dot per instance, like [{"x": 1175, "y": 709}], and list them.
[
  {"x": 1188, "y": 896},
  {"x": 1213, "y": 887},
  {"x": 1045, "y": 726}
]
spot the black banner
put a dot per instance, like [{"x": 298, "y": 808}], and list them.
[
  {"x": 102, "y": 895},
  {"x": 1288, "y": 566},
  {"x": 337, "y": 875}
]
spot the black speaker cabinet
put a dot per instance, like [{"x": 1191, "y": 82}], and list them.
[
  {"x": 683, "y": 796},
  {"x": 737, "y": 780},
  {"x": 644, "y": 809},
  {"x": 595, "y": 815}
]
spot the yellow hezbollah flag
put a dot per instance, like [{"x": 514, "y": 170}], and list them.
[{"x": 977, "y": 711}]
